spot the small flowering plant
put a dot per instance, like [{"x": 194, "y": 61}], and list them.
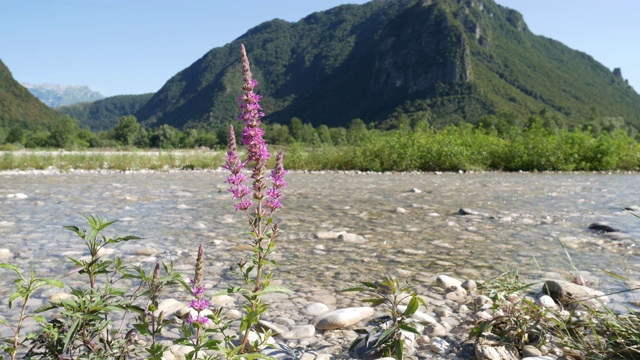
[{"x": 259, "y": 202}]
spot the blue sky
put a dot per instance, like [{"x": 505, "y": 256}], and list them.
[{"x": 131, "y": 47}]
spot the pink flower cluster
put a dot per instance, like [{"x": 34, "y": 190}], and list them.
[
  {"x": 198, "y": 304},
  {"x": 257, "y": 152}
]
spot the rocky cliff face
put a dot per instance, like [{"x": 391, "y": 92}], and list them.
[{"x": 421, "y": 47}]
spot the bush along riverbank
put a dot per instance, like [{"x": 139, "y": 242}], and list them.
[{"x": 127, "y": 311}]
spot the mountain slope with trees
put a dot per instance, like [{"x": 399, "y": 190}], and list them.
[
  {"x": 19, "y": 108},
  {"x": 104, "y": 114},
  {"x": 449, "y": 60}
]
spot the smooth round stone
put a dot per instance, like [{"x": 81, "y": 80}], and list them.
[
  {"x": 546, "y": 301},
  {"x": 469, "y": 285},
  {"x": 419, "y": 316},
  {"x": 530, "y": 351},
  {"x": 146, "y": 251},
  {"x": 5, "y": 254},
  {"x": 301, "y": 332},
  {"x": 342, "y": 318},
  {"x": 352, "y": 238},
  {"x": 59, "y": 297},
  {"x": 435, "y": 329},
  {"x": 169, "y": 306},
  {"x": 221, "y": 300},
  {"x": 446, "y": 281},
  {"x": 275, "y": 328},
  {"x": 327, "y": 235},
  {"x": 482, "y": 300},
  {"x": 400, "y": 210},
  {"x": 439, "y": 346},
  {"x": 459, "y": 295},
  {"x": 315, "y": 309}
]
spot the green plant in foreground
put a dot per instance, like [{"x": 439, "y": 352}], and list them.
[
  {"x": 259, "y": 211},
  {"x": 25, "y": 287},
  {"x": 387, "y": 338}
]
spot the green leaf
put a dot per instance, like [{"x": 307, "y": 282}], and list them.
[
  {"x": 384, "y": 337},
  {"x": 4, "y": 322},
  {"x": 412, "y": 307},
  {"x": 142, "y": 329},
  {"x": 370, "y": 285},
  {"x": 53, "y": 282},
  {"x": 409, "y": 328},
  {"x": 375, "y": 302},
  {"x": 11, "y": 267},
  {"x": 272, "y": 289},
  {"x": 399, "y": 349}
]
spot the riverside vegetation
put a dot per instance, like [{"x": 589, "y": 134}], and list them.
[
  {"x": 117, "y": 315},
  {"x": 495, "y": 144}
]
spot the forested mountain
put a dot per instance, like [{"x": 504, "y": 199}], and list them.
[
  {"x": 60, "y": 95},
  {"x": 104, "y": 114},
  {"x": 19, "y": 108},
  {"x": 451, "y": 60}
]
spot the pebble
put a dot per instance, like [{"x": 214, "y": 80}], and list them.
[
  {"x": 439, "y": 346},
  {"x": 545, "y": 301},
  {"x": 5, "y": 254},
  {"x": 169, "y": 306},
  {"x": 446, "y": 281},
  {"x": 315, "y": 309},
  {"x": 342, "y": 318},
  {"x": 301, "y": 332},
  {"x": 352, "y": 238}
]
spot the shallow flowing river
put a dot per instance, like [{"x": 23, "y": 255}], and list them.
[{"x": 408, "y": 225}]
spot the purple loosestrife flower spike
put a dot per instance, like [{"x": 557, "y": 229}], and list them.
[
  {"x": 252, "y": 134},
  {"x": 236, "y": 179},
  {"x": 277, "y": 181}
]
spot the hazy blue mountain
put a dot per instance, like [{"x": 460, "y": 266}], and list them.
[{"x": 61, "y": 95}]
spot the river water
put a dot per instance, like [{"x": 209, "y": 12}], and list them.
[{"x": 408, "y": 225}]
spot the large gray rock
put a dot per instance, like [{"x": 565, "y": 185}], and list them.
[
  {"x": 571, "y": 295},
  {"x": 342, "y": 318}
]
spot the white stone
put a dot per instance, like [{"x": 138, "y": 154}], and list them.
[
  {"x": 352, "y": 238},
  {"x": 315, "y": 309},
  {"x": 342, "y": 318},
  {"x": 400, "y": 210},
  {"x": 221, "y": 300},
  {"x": 446, "y": 281},
  {"x": 59, "y": 297},
  {"x": 329, "y": 234},
  {"x": 439, "y": 346},
  {"x": 169, "y": 307},
  {"x": 301, "y": 332},
  {"x": 545, "y": 301},
  {"x": 419, "y": 316},
  {"x": 5, "y": 254},
  {"x": 435, "y": 330}
]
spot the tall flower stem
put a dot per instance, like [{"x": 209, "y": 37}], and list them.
[{"x": 260, "y": 207}]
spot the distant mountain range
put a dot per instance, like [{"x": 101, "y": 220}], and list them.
[
  {"x": 61, "y": 95},
  {"x": 455, "y": 60}
]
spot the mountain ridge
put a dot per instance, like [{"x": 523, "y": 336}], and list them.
[
  {"x": 456, "y": 60},
  {"x": 54, "y": 95}
]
